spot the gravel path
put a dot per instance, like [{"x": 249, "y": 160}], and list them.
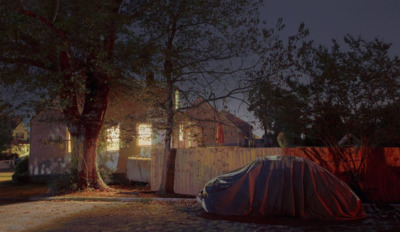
[{"x": 147, "y": 215}]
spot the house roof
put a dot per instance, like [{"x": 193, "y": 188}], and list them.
[
  {"x": 15, "y": 121},
  {"x": 222, "y": 116},
  {"x": 245, "y": 127}
]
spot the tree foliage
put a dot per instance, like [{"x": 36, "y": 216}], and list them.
[
  {"x": 270, "y": 97},
  {"x": 5, "y": 127},
  {"x": 352, "y": 89}
]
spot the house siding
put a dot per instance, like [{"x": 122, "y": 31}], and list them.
[{"x": 48, "y": 152}]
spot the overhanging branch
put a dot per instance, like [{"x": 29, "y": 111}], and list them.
[
  {"x": 51, "y": 26},
  {"x": 23, "y": 60}
]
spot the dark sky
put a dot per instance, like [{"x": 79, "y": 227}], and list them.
[{"x": 329, "y": 19}]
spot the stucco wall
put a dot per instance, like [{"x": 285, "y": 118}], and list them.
[{"x": 48, "y": 151}]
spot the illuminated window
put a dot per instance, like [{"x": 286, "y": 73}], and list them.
[
  {"x": 144, "y": 131},
  {"x": 180, "y": 132},
  {"x": 68, "y": 142},
  {"x": 176, "y": 99},
  {"x": 113, "y": 138}
]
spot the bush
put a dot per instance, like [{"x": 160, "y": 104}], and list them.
[
  {"x": 64, "y": 183},
  {"x": 21, "y": 171},
  {"x": 3, "y": 156}
]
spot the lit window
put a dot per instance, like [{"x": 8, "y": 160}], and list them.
[
  {"x": 144, "y": 131},
  {"x": 113, "y": 138},
  {"x": 176, "y": 99},
  {"x": 68, "y": 142},
  {"x": 180, "y": 132}
]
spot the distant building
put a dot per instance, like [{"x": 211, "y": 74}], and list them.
[{"x": 20, "y": 141}]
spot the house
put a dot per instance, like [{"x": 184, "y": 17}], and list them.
[
  {"x": 20, "y": 138},
  {"x": 125, "y": 134},
  {"x": 129, "y": 139},
  {"x": 206, "y": 118}
]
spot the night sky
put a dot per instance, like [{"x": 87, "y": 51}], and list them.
[{"x": 329, "y": 19}]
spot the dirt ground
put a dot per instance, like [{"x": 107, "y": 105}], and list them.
[
  {"x": 155, "y": 215},
  {"x": 136, "y": 208},
  {"x": 9, "y": 190}
]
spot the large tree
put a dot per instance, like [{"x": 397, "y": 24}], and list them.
[
  {"x": 270, "y": 97},
  {"x": 65, "y": 51},
  {"x": 194, "y": 46},
  {"x": 351, "y": 93}
]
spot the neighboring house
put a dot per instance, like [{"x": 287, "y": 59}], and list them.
[
  {"x": 206, "y": 118},
  {"x": 20, "y": 141},
  {"x": 128, "y": 139}
]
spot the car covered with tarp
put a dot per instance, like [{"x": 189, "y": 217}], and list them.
[{"x": 281, "y": 186}]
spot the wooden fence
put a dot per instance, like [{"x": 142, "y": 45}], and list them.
[{"x": 194, "y": 167}]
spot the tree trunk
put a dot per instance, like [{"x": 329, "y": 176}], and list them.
[
  {"x": 167, "y": 185},
  {"x": 266, "y": 143},
  {"x": 167, "y": 179},
  {"x": 85, "y": 131}
]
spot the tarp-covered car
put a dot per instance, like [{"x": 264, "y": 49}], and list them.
[{"x": 281, "y": 186}]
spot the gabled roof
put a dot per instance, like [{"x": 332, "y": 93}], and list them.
[
  {"x": 245, "y": 127},
  {"x": 15, "y": 121},
  {"x": 222, "y": 116}
]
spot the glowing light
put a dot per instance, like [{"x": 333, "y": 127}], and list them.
[
  {"x": 68, "y": 141},
  {"x": 113, "y": 138},
  {"x": 176, "y": 99},
  {"x": 144, "y": 131},
  {"x": 180, "y": 132}
]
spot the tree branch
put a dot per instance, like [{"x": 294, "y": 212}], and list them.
[
  {"x": 51, "y": 26},
  {"x": 23, "y": 60}
]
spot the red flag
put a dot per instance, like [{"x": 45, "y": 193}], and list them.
[{"x": 220, "y": 134}]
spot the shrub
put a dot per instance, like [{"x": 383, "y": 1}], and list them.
[
  {"x": 64, "y": 183},
  {"x": 21, "y": 170}
]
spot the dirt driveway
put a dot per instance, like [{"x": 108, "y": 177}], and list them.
[{"x": 153, "y": 215}]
